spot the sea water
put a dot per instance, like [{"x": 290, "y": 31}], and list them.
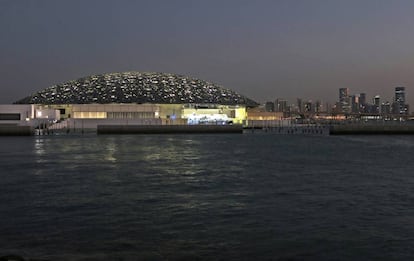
[{"x": 207, "y": 197}]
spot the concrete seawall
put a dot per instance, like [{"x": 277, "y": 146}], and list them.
[
  {"x": 14, "y": 130},
  {"x": 168, "y": 129},
  {"x": 371, "y": 129},
  {"x": 292, "y": 130}
]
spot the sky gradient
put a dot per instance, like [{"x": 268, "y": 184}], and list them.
[{"x": 264, "y": 49}]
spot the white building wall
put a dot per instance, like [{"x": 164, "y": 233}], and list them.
[
  {"x": 79, "y": 124},
  {"x": 26, "y": 112},
  {"x": 103, "y": 109},
  {"x": 46, "y": 114}
]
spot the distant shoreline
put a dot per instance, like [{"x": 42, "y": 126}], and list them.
[
  {"x": 356, "y": 129},
  {"x": 318, "y": 130}
]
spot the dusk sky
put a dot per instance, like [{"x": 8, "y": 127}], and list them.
[{"x": 262, "y": 49}]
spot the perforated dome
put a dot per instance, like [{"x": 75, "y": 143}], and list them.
[{"x": 137, "y": 87}]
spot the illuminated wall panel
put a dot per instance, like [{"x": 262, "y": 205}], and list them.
[{"x": 89, "y": 115}]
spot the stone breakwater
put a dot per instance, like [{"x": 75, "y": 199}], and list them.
[
  {"x": 292, "y": 130},
  {"x": 14, "y": 130},
  {"x": 355, "y": 129},
  {"x": 168, "y": 129},
  {"x": 346, "y": 129},
  {"x": 351, "y": 129}
]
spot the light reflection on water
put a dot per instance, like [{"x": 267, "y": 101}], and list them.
[
  {"x": 39, "y": 149},
  {"x": 252, "y": 197},
  {"x": 111, "y": 150}
]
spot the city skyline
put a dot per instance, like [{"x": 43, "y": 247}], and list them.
[
  {"x": 263, "y": 50},
  {"x": 346, "y": 102}
]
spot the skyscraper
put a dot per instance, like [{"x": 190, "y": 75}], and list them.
[
  {"x": 376, "y": 104},
  {"x": 344, "y": 100},
  {"x": 281, "y": 105},
  {"x": 399, "y": 101},
  {"x": 400, "y": 94},
  {"x": 343, "y": 94},
  {"x": 362, "y": 102},
  {"x": 355, "y": 103},
  {"x": 300, "y": 105},
  {"x": 385, "y": 108},
  {"x": 269, "y": 106},
  {"x": 318, "y": 106},
  {"x": 309, "y": 107}
]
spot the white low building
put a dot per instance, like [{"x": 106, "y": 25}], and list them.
[{"x": 27, "y": 115}]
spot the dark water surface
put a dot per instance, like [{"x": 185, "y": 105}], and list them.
[{"x": 207, "y": 197}]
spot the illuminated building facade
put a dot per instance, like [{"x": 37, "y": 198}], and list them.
[
  {"x": 344, "y": 100},
  {"x": 140, "y": 98},
  {"x": 27, "y": 114},
  {"x": 400, "y": 107},
  {"x": 376, "y": 102}
]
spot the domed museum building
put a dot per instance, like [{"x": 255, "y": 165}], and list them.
[{"x": 135, "y": 98}]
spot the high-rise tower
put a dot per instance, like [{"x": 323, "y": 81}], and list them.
[
  {"x": 362, "y": 102},
  {"x": 344, "y": 100},
  {"x": 399, "y": 101},
  {"x": 376, "y": 104}
]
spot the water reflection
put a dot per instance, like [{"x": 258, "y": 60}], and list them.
[
  {"x": 245, "y": 194},
  {"x": 39, "y": 146},
  {"x": 40, "y": 150},
  {"x": 155, "y": 164},
  {"x": 110, "y": 151},
  {"x": 191, "y": 165},
  {"x": 179, "y": 156}
]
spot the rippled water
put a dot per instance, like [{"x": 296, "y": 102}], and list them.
[{"x": 207, "y": 197}]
